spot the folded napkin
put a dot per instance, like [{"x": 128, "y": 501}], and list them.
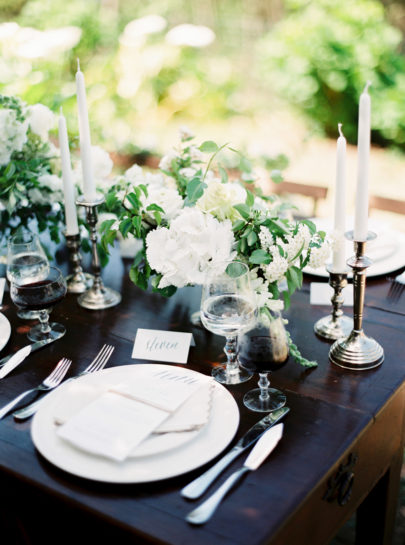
[{"x": 113, "y": 420}]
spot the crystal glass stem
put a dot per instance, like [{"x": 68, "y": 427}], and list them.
[
  {"x": 264, "y": 384},
  {"x": 44, "y": 321}
]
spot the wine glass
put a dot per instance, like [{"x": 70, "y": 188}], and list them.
[
  {"x": 26, "y": 263},
  {"x": 41, "y": 296},
  {"x": 264, "y": 349},
  {"x": 227, "y": 307}
]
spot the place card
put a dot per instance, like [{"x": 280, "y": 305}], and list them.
[
  {"x": 321, "y": 294},
  {"x": 157, "y": 345}
]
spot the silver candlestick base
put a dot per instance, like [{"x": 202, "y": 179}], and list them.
[
  {"x": 78, "y": 281},
  {"x": 97, "y": 297},
  {"x": 357, "y": 351},
  {"x": 336, "y": 325}
]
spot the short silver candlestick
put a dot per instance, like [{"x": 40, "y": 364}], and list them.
[
  {"x": 78, "y": 281},
  {"x": 97, "y": 297},
  {"x": 336, "y": 325},
  {"x": 357, "y": 351}
]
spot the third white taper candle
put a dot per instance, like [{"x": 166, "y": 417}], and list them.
[
  {"x": 72, "y": 227},
  {"x": 339, "y": 253}
]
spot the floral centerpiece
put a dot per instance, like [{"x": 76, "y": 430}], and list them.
[
  {"x": 30, "y": 189},
  {"x": 191, "y": 218}
]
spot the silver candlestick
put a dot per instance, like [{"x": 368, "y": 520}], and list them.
[
  {"x": 78, "y": 281},
  {"x": 97, "y": 296},
  {"x": 357, "y": 351},
  {"x": 336, "y": 325}
]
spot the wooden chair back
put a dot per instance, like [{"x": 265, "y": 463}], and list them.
[{"x": 315, "y": 192}]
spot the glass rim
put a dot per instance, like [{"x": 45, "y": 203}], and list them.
[
  {"x": 49, "y": 281},
  {"x": 30, "y": 238}
]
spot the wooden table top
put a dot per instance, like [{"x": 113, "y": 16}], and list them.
[{"x": 330, "y": 408}]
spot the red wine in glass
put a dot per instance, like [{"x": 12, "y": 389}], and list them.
[
  {"x": 41, "y": 296},
  {"x": 264, "y": 349}
]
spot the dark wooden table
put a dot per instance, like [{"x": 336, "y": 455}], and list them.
[{"x": 341, "y": 451}]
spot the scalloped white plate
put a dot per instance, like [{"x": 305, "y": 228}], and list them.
[{"x": 5, "y": 331}]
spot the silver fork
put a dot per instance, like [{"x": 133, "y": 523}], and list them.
[
  {"x": 397, "y": 287},
  {"x": 97, "y": 364},
  {"x": 51, "y": 381}
]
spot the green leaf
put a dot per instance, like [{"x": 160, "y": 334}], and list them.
[
  {"x": 311, "y": 225},
  {"x": 125, "y": 226},
  {"x": 208, "y": 147},
  {"x": 155, "y": 207},
  {"x": 137, "y": 223},
  {"x": 195, "y": 190},
  {"x": 138, "y": 259},
  {"x": 260, "y": 257},
  {"x": 238, "y": 225},
  {"x": 243, "y": 210},
  {"x": 277, "y": 176},
  {"x": 252, "y": 238},
  {"x": 10, "y": 171},
  {"x": 134, "y": 201},
  {"x": 250, "y": 199},
  {"x": 106, "y": 225},
  {"x": 245, "y": 165},
  {"x": 223, "y": 173},
  {"x": 158, "y": 217}
]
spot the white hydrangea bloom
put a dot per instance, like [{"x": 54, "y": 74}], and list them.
[
  {"x": 277, "y": 268},
  {"x": 194, "y": 244},
  {"x": 13, "y": 134},
  {"x": 55, "y": 186},
  {"x": 167, "y": 198},
  {"x": 41, "y": 120},
  {"x": 319, "y": 256}
]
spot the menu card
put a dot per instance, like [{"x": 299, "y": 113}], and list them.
[{"x": 117, "y": 421}]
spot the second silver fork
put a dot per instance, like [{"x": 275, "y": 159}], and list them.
[{"x": 97, "y": 364}]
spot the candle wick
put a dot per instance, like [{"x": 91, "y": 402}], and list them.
[
  {"x": 367, "y": 86},
  {"x": 340, "y": 130},
  {"x": 78, "y": 65}
]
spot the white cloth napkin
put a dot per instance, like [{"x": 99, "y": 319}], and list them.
[{"x": 113, "y": 420}]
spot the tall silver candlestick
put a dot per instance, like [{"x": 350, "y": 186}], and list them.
[
  {"x": 78, "y": 281},
  {"x": 336, "y": 325},
  {"x": 357, "y": 351},
  {"x": 97, "y": 296}
]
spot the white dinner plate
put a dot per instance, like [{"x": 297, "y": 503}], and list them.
[
  {"x": 387, "y": 251},
  {"x": 5, "y": 331},
  {"x": 186, "y": 456}
]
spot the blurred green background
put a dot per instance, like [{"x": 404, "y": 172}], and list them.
[{"x": 147, "y": 73}]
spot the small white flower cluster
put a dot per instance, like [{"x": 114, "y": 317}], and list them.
[
  {"x": 13, "y": 134},
  {"x": 266, "y": 238},
  {"x": 275, "y": 270},
  {"x": 261, "y": 288},
  {"x": 319, "y": 256},
  {"x": 193, "y": 245}
]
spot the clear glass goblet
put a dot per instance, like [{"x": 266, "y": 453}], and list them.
[
  {"x": 26, "y": 263},
  {"x": 41, "y": 296},
  {"x": 264, "y": 349},
  {"x": 228, "y": 307}
]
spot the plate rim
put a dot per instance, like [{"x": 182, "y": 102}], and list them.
[{"x": 5, "y": 322}]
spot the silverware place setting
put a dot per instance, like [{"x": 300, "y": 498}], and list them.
[{"x": 98, "y": 363}]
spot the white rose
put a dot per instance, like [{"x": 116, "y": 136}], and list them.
[
  {"x": 167, "y": 198},
  {"x": 219, "y": 199},
  {"x": 41, "y": 120}
]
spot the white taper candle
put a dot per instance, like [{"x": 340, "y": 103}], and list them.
[
  {"x": 72, "y": 227},
  {"x": 339, "y": 253},
  {"x": 363, "y": 158},
  {"x": 89, "y": 186}
]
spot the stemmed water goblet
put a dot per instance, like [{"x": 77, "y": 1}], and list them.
[
  {"x": 26, "y": 263},
  {"x": 264, "y": 349},
  {"x": 228, "y": 307},
  {"x": 41, "y": 296}
]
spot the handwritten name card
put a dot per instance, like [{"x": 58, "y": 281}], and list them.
[{"x": 156, "y": 345}]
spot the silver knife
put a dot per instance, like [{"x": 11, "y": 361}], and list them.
[
  {"x": 197, "y": 487},
  {"x": 9, "y": 363},
  {"x": 262, "y": 449}
]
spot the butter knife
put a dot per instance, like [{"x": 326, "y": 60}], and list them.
[
  {"x": 262, "y": 449},
  {"x": 9, "y": 363},
  {"x": 197, "y": 487}
]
